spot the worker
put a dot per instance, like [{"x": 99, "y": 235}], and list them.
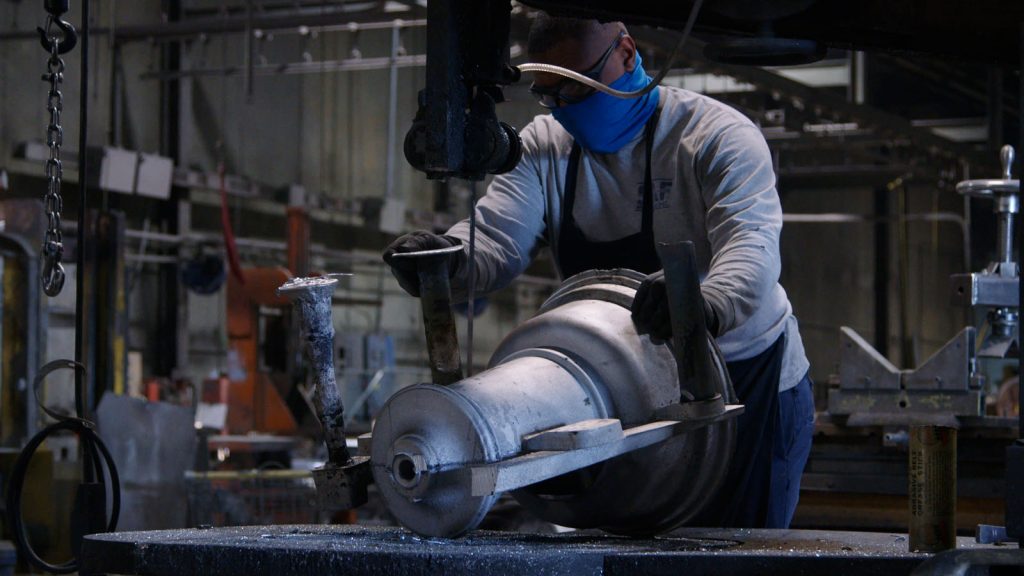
[{"x": 602, "y": 180}]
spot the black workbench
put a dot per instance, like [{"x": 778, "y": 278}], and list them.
[{"x": 358, "y": 550}]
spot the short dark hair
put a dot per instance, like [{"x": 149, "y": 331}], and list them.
[{"x": 547, "y": 31}]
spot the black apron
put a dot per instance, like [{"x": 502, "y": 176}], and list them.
[
  {"x": 578, "y": 254},
  {"x": 743, "y": 498}
]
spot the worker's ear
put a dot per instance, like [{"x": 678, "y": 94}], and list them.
[{"x": 630, "y": 49}]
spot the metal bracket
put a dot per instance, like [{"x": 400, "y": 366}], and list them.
[
  {"x": 343, "y": 487},
  {"x": 584, "y": 434},
  {"x": 984, "y": 289},
  {"x": 532, "y": 467},
  {"x": 875, "y": 391}
]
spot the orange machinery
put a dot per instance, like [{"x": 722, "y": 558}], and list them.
[{"x": 258, "y": 329}]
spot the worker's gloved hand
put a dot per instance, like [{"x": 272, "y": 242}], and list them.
[
  {"x": 650, "y": 309},
  {"x": 404, "y": 269}
]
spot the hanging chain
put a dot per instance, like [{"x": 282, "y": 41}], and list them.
[{"x": 52, "y": 272}]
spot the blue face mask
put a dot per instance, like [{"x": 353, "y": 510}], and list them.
[{"x": 604, "y": 123}]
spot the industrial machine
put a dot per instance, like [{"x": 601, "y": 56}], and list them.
[
  {"x": 948, "y": 386},
  {"x": 858, "y": 462},
  {"x": 456, "y": 132},
  {"x": 587, "y": 422},
  {"x": 574, "y": 402}
]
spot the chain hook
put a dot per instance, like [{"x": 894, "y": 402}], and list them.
[
  {"x": 51, "y": 43},
  {"x": 52, "y": 274}
]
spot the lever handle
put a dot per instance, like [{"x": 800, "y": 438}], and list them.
[
  {"x": 438, "y": 319},
  {"x": 686, "y": 312}
]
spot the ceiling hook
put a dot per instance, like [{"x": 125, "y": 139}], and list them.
[{"x": 48, "y": 40}]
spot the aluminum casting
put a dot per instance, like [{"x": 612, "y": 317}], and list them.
[{"x": 565, "y": 416}]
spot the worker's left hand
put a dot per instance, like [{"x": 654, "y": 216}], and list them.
[
  {"x": 650, "y": 309},
  {"x": 405, "y": 270}
]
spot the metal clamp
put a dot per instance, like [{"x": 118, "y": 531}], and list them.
[{"x": 997, "y": 286}]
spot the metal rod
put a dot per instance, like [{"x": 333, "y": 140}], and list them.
[
  {"x": 85, "y": 404},
  {"x": 471, "y": 282},
  {"x": 966, "y": 222},
  {"x": 882, "y": 259},
  {"x": 1020, "y": 285},
  {"x": 1005, "y": 235},
  {"x": 389, "y": 164},
  {"x": 686, "y": 312},
  {"x": 329, "y": 21},
  {"x": 328, "y": 66},
  {"x": 371, "y": 387},
  {"x": 907, "y": 348},
  {"x": 249, "y": 60},
  {"x": 312, "y": 300}
]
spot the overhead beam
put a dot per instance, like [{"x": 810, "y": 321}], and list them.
[
  {"x": 883, "y": 123},
  {"x": 368, "y": 12},
  {"x": 983, "y": 30}
]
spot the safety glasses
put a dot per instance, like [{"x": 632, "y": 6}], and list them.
[{"x": 569, "y": 91}]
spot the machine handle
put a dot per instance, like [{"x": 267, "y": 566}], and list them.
[
  {"x": 438, "y": 319},
  {"x": 689, "y": 328},
  {"x": 994, "y": 188}
]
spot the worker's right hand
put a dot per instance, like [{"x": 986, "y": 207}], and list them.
[
  {"x": 650, "y": 309},
  {"x": 404, "y": 269}
]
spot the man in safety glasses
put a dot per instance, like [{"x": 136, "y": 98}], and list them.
[{"x": 602, "y": 180}]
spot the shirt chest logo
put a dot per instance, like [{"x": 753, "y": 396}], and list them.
[{"x": 660, "y": 190}]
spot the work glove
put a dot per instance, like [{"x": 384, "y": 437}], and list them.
[
  {"x": 404, "y": 269},
  {"x": 650, "y": 309}
]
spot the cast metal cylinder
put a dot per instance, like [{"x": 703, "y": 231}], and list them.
[{"x": 579, "y": 359}]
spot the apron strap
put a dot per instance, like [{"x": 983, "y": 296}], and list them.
[
  {"x": 647, "y": 221},
  {"x": 570, "y": 182}
]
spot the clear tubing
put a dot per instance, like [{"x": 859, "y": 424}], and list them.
[{"x": 571, "y": 74}]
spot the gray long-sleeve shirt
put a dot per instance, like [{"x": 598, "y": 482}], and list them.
[{"x": 713, "y": 184}]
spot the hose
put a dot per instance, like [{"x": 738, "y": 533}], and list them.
[
  {"x": 597, "y": 85},
  {"x": 96, "y": 457}
]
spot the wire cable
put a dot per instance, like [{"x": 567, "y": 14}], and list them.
[
  {"x": 600, "y": 86},
  {"x": 95, "y": 457}
]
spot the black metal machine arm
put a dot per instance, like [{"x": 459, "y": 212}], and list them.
[{"x": 456, "y": 132}]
